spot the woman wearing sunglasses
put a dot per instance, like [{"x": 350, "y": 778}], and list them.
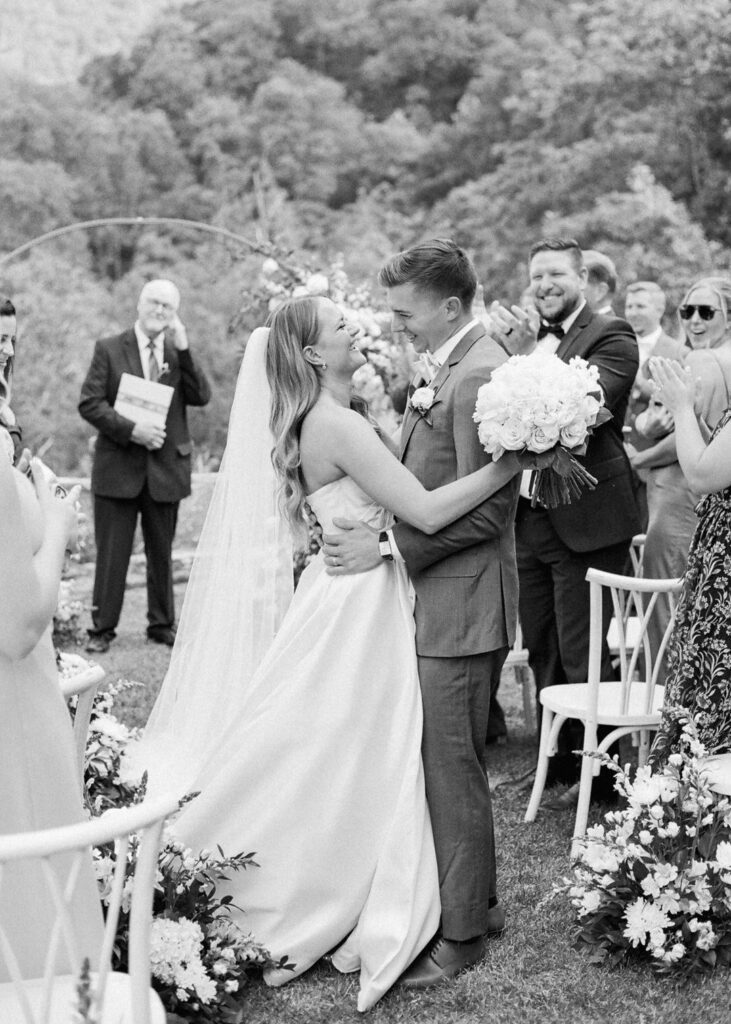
[
  {"x": 671, "y": 501},
  {"x": 700, "y": 647}
]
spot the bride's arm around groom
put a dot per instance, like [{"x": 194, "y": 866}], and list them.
[{"x": 465, "y": 581}]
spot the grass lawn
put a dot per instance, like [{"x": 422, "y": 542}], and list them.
[{"x": 531, "y": 975}]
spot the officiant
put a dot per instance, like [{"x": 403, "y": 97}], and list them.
[{"x": 142, "y": 462}]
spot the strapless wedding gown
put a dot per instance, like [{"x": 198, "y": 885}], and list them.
[{"x": 321, "y": 775}]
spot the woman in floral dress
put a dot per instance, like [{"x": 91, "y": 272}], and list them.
[{"x": 699, "y": 659}]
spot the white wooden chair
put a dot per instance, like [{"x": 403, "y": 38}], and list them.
[
  {"x": 517, "y": 659},
  {"x": 118, "y": 998},
  {"x": 632, "y": 624},
  {"x": 631, "y": 704},
  {"x": 82, "y": 684}
]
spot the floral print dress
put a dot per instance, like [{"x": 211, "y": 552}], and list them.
[{"x": 699, "y": 653}]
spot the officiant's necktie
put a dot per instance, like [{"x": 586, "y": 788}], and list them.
[{"x": 153, "y": 367}]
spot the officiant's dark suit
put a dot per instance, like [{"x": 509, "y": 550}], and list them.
[
  {"x": 137, "y": 473},
  {"x": 556, "y": 546}
]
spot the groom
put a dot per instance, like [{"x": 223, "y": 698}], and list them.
[{"x": 465, "y": 581}]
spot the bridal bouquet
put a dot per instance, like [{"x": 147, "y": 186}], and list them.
[
  {"x": 654, "y": 882},
  {"x": 544, "y": 409}
]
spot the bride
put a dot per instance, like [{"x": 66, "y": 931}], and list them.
[{"x": 299, "y": 718}]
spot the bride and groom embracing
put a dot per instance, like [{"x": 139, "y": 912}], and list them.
[{"x": 340, "y": 732}]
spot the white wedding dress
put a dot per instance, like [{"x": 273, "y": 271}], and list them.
[{"x": 319, "y": 772}]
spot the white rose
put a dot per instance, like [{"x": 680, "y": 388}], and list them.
[
  {"x": 422, "y": 400},
  {"x": 574, "y": 433},
  {"x": 542, "y": 439},
  {"x": 513, "y": 434},
  {"x": 269, "y": 266}
]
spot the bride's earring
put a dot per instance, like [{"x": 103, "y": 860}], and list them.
[{"x": 317, "y": 363}]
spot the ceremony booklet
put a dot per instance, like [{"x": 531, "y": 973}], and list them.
[{"x": 143, "y": 401}]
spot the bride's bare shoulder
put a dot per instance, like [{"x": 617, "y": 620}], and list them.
[{"x": 329, "y": 420}]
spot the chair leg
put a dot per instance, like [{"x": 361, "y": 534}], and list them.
[
  {"x": 585, "y": 786},
  {"x": 523, "y": 676},
  {"x": 539, "y": 782},
  {"x": 643, "y": 748}
]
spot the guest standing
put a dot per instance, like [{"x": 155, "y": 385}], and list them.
[
  {"x": 671, "y": 500},
  {"x": 140, "y": 469},
  {"x": 556, "y": 546},
  {"x": 10, "y": 432},
  {"x": 38, "y": 776},
  {"x": 700, "y": 647}
]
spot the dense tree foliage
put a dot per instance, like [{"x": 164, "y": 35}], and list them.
[{"x": 362, "y": 125}]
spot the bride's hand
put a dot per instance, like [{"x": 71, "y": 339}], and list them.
[{"x": 674, "y": 384}]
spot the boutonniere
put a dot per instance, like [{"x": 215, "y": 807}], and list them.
[
  {"x": 422, "y": 400},
  {"x": 164, "y": 370}
]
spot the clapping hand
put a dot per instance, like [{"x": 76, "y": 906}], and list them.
[
  {"x": 674, "y": 384},
  {"x": 515, "y": 329}
]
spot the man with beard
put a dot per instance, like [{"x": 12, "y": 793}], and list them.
[{"x": 556, "y": 546}]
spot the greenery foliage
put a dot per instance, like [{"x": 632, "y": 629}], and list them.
[{"x": 355, "y": 126}]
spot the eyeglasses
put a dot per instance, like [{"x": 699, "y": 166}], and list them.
[{"x": 704, "y": 312}]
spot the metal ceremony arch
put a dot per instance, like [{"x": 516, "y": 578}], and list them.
[{"x": 264, "y": 248}]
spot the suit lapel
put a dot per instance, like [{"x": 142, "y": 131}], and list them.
[
  {"x": 132, "y": 353},
  {"x": 568, "y": 344},
  {"x": 442, "y": 376}
]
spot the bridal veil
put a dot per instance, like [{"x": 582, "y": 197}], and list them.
[{"x": 239, "y": 589}]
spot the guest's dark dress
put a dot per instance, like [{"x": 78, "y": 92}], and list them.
[{"x": 699, "y": 654}]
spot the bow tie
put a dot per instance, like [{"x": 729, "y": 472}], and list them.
[{"x": 555, "y": 329}]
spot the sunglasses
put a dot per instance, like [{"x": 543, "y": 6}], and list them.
[{"x": 704, "y": 312}]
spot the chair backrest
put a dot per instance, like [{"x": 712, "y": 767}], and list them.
[
  {"x": 141, "y": 825},
  {"x": 632, "y": 598},
  {"x": 637, "y": 553},
  {"x": 82, "y": 685}
]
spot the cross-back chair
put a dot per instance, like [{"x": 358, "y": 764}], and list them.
[
  {"x": 117, "y": 998},
  {"x": 83, "y": 685},
  {"x": 630, "y": 704}
]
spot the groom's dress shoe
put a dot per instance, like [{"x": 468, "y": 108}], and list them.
[
  {"x": 566, "y": 800},
  {"x": 440, "y": 961}
]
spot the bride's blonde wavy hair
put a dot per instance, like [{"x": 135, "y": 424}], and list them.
[{"x": 295, "y": 386}]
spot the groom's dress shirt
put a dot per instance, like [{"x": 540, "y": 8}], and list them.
[{"x": 438, "y": 358}]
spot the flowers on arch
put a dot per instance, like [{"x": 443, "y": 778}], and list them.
[{"x": 653, "y": 881}]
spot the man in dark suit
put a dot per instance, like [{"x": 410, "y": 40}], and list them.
[
  {"x": 465, "y": 581},
  {"x": 556, "y": 546},
  {"x": 140, "y": 469}
]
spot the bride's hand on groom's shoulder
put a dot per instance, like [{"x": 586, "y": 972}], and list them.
[{"x": 354, "y": 549}]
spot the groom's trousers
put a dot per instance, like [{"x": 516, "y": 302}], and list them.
[{"x": 456, "y": 698}]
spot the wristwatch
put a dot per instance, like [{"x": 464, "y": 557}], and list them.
[{"x": 384, "y": 546}]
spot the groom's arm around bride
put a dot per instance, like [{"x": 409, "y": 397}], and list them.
[{"x": 465, "y": 581}]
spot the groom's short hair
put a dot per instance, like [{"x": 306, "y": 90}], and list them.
[{"x": 438, "y": 266}]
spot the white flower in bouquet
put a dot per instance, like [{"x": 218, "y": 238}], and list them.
[{"x": 544, "y": 409}]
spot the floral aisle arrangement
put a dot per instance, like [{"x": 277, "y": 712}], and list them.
[
  {"x": 201, "y": 959},
  {"x": 653, "y": 883},
  {"x": 544, "y": 410},
  {"x": 199, "y": 956},
  {"x": 67, "y": 629}
]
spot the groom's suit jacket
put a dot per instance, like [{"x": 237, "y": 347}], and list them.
[{"x": 464, "y": 576}]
